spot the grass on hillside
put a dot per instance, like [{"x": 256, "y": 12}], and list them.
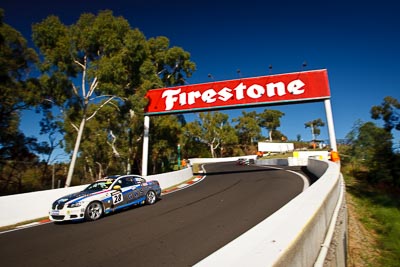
[{"x": 379, "y": 212}]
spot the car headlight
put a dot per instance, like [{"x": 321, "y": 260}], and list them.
[{"x": 75, "y": 205}]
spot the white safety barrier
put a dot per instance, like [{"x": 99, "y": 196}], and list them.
[
  {"x": 172, "y": 178},
  {"x": 215, "y": 160},
  {"x": 293, "y": 235},
  {"x": 30, "y": 206}
]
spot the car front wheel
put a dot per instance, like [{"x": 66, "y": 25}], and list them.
[
  {"x": 151, "y": 197},
  {"x": 93, "y": 211}
]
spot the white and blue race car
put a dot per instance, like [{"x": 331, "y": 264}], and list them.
[{"x": 105, "y": 196}]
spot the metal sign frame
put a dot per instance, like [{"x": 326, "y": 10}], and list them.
[{"x": 306, "y": 86}]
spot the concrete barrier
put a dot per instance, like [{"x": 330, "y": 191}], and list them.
[
  {"x": 279, "y": 162},
  {"x": 215, "y": 160},
  {"x": 318, "y": 154},
  {"x": 30, "y": 206},
  {"x": 172, "y": 178}
]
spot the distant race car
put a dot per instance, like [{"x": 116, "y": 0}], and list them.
[
  {"x": 105, "y": 196},
  {"x": 243, "y": 161}
]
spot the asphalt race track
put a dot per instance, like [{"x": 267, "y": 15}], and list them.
[{"x": 179, "y": 230}]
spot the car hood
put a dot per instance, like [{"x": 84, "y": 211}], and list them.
[{"x": 70, "y": 197}]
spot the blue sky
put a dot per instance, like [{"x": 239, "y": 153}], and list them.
[{"x": 358, "y": 42}]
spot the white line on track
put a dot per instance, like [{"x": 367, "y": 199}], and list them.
[{"x": 305, "y": 179}]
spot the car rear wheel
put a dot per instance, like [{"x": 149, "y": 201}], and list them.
[
  {"x": 93, "y": 211},
  {"x": 151, "y": 197}
]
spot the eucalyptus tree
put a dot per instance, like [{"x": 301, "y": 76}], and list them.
[
  {"x": 16, "y": 60},
  {"x": 370, "y": 146},
  {"x": 212, "y": 129},
  {"x": 247, "y": 127},
  {"x": 192, "y": 145},
  {"x": 228, "y": 137},
  {"x": 315, "y": 125},
  {"x": 389, "y": 111},
  {"x": 165, "y": 137},
  {"x": 278, "y": 135},
  {"x": 17, "y": 95},
  {"x": 103, "y": 143},
  {"x": 101, "y": 61},
  {"x": 271, "y": 120}
]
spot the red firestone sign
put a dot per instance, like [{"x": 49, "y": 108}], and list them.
[{"x": 239, "y": 93}]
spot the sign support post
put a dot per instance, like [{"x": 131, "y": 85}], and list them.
[
  {"x": 331, "y": 128},
  {"x": 179, "y": 156},
  {"x": 145, "y": 155}
]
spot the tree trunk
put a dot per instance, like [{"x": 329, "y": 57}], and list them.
[{"x": 75, "y": 153}]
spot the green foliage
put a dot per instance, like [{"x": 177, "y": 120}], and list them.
[
  {"x": 172, "y": 64},
  {"x": 17, "y": 95},
  {"x": 314, "y": 126},
  {"x": 379, "y": 210},
  {"x": 370, "y": 149},
  {"x": 163, "y": 143},
  {"x": 369, "y": 157},
  {"x": 116, "y": 66},
  {"x": 389, "y": 112},
  {"x": 212, "y": 129},
  {"x": 270, "y": 119},
  {"x": 278, "y": 135},
  {"x": 15, "y": 62},
  {"x": 248, "y": 128}
]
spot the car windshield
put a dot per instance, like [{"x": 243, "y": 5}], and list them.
[{"x": 99, "y": 185}]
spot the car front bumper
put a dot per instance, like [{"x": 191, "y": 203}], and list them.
[{"x": 67, "y": 214}]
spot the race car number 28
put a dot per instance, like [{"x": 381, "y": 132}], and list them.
[{"x": 117, "y": 198}]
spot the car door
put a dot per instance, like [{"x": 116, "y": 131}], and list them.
[
  {"x": 124, "y": 196},
  {"x": 141, "y": 187}
]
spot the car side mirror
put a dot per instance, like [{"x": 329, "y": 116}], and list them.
[{"x": 117, "y": 187}]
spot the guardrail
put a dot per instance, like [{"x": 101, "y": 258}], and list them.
[{"x": 309, "y": 230}]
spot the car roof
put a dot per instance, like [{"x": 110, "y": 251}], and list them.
[
  {"x": 114, "y": 177},
  {"x": 108, "y": 178}
]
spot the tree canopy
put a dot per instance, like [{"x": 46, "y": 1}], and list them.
[
  {"x": 212, "y": 129},
  {"x": 389, "y": 112},
  {"x": 116, "y": 66},
  {"x": 371, "y": 148},
  {"x": 248, "y": 127},
  {"x": 18, "y": 94},
  {"x": 16, "y": 59},
  {"x": 270, "y": 119},
  {"x": 315, "y": 125}
]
